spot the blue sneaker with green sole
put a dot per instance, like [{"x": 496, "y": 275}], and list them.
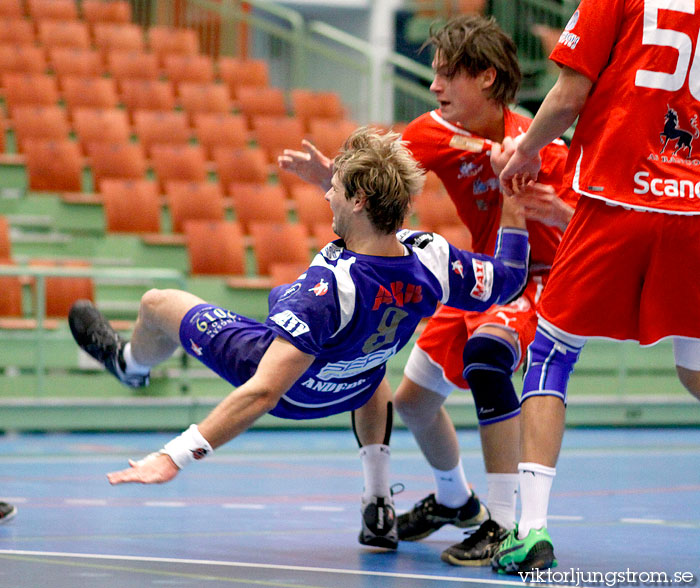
[{"x": 514, "y": 555}]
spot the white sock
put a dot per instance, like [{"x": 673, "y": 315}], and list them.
[
  {"x": 375, "y": 467},
  {"x": 502, "y": 497},
  {"x": 535, "y": 484},
  {"x": 133, "y": 367},
  {"x": 451, "y": 486}
]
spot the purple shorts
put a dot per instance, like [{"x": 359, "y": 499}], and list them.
[{"x": 229, "y": 344}]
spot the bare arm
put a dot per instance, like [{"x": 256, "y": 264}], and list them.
[
  {"x": 279, "y": 368},
  {"x": 557, "y": 113},
  {"x": 310, "y": 165}
]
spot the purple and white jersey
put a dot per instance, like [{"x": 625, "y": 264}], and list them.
[{"x": 353, "y": 312}]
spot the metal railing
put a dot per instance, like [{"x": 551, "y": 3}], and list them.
[{"x": 40, "y": 274}]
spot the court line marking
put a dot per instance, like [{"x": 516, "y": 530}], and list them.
[{"x": 236, "y": 564}]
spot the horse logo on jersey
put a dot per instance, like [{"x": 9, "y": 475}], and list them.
[
  {"x": 196, "y": 349},
  {"x": 320, "y": 289},
  {"x": 671, "y": 132},
  {"x": 458, "y": 268}
]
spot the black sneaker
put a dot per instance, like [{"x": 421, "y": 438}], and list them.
[
  {"x": 7, "y": 511},
  {"x": 478, "y": 547},
  {"x": 427, "y": 516},
  {"x": 379, "y": 523},
  {"x": 93, "y": 333}
]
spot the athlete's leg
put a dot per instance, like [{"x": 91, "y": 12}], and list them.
[
  {"x": 156, "y": 335},
  {"x": 372, "y": 425},
  {"x": 687, "y": 355}
]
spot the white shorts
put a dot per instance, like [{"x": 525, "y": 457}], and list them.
[
  {"x": 426, "y": 373},
  {"x": 687, "y": 353}
]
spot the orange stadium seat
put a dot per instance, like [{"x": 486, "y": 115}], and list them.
[
  {"x": 29, "y": 90},
  {"x": 5, "y": 243},
  {"x": 131, "y": 206},
  {"x": 254, "y": 102},
  {"x": 72, "y": 62},
  {"x": 286, "y": 273},
  {"x": 100, "y": 125},
  {"x": 165, "y": 41},
  {"x": 53, "y": 166},
  {"x": 62, "y": 292},
  {"x": 114, "y": 36},
  {"x": 178, "y": 162},
  {"x": 193, "y": 201},
  {"x": 11, "y": 9},
  {"x": 240, "y": 165},
  {"x": 132, "y": 65},
  {"x": 434, "y": 208},
  {"x": 16, "y": 31},
  {"x": 39, "y": 122},
  {"x": 236, "y": 72},
  {"x": 310, "y": 206},
  {"x": 258, "y": 203},
  {"x": 116, "y": 160},
  {"x": 198, "y": 69},
  {"x": 99, "y": 11},
  {"x": 274, "y": 134},
  {"x": 147, "y": 95},
  {"x": 154, "y": 127},
  {"x": 457, "y": 234},
  {"x": 214, "y": 130},
  {"x": 308, "y": 104},
  {"x": 288, "y": 180},
  {"x": 40, "y": 10},
  {"x": 323, "y": 234},
  {"x": 209, "y": 98},
  {"x": 279, "y": 243},
  {"x": 64, "y": 33},
  {"x": 11, "y": 299},
  {"x": 90, "y": 92},
  {"x": 25, "y": 58},
  {"x": 215, "y": 247},
  {"x": 330, "y": 135}
]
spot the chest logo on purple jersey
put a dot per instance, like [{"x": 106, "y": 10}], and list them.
[
  {"x": 320, "y": 289},
  {"x": 458, "y": 268},
  {"x": 398, "y": 295}
]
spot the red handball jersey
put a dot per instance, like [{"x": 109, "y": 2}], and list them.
[
  {"x": 638, "y": 140},
  {"x": 462, "y": 162}
]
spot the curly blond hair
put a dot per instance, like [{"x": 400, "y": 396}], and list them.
[{"x": 380, "y": 166}]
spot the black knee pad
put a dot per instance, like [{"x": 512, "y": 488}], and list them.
[{"x": 488, "y": 367}]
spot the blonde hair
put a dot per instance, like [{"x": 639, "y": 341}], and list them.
[{"x": 380, "y": 166}]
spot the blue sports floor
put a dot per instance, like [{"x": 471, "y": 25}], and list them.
[{"x": 281, "y": 509}]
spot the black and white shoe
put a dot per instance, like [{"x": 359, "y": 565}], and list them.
[
  {"x": 7, "y": 511},
  {"x": 379, "y": 526},
  {"x": 93, "y": 333},
  {"x": 428, "y": 515}
]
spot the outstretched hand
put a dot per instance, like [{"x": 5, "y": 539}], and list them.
[
  {"x": 310, "y": 164},
  {"x": 156, "y": 468}
]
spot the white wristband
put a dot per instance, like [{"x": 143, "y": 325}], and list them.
[{"x": 188, "y": 447}]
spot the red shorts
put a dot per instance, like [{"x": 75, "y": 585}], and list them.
[
  {"x": 447, "y": 331},
  {"x": 625, "y": 274}
]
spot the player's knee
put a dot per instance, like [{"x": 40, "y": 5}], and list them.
[
  {"x": 409, "y": 407},
  {"x": 690, "y": 380},
  {"x": 550, "y": 361},
  {"x": 151, "y": 301},
  {"x": 488, "y": 366}
]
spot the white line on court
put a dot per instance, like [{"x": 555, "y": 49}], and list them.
[{"x": 236, "y": 564}]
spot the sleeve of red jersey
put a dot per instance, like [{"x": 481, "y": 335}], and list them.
[
  {"x": 588, "y": 38},
  {"x": 419, "y": 142}
]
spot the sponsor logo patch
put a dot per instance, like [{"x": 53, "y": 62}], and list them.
[
  {"x": 483, "y": 275},
  {"x": 290, "y": 323},
  {"x": 471, "y": 144},
  {"x": 320, "y": 289}
]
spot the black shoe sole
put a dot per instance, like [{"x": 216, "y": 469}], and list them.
[
  {"x": 452, "y": 560},
  {"x": 383, "y": 542}
]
